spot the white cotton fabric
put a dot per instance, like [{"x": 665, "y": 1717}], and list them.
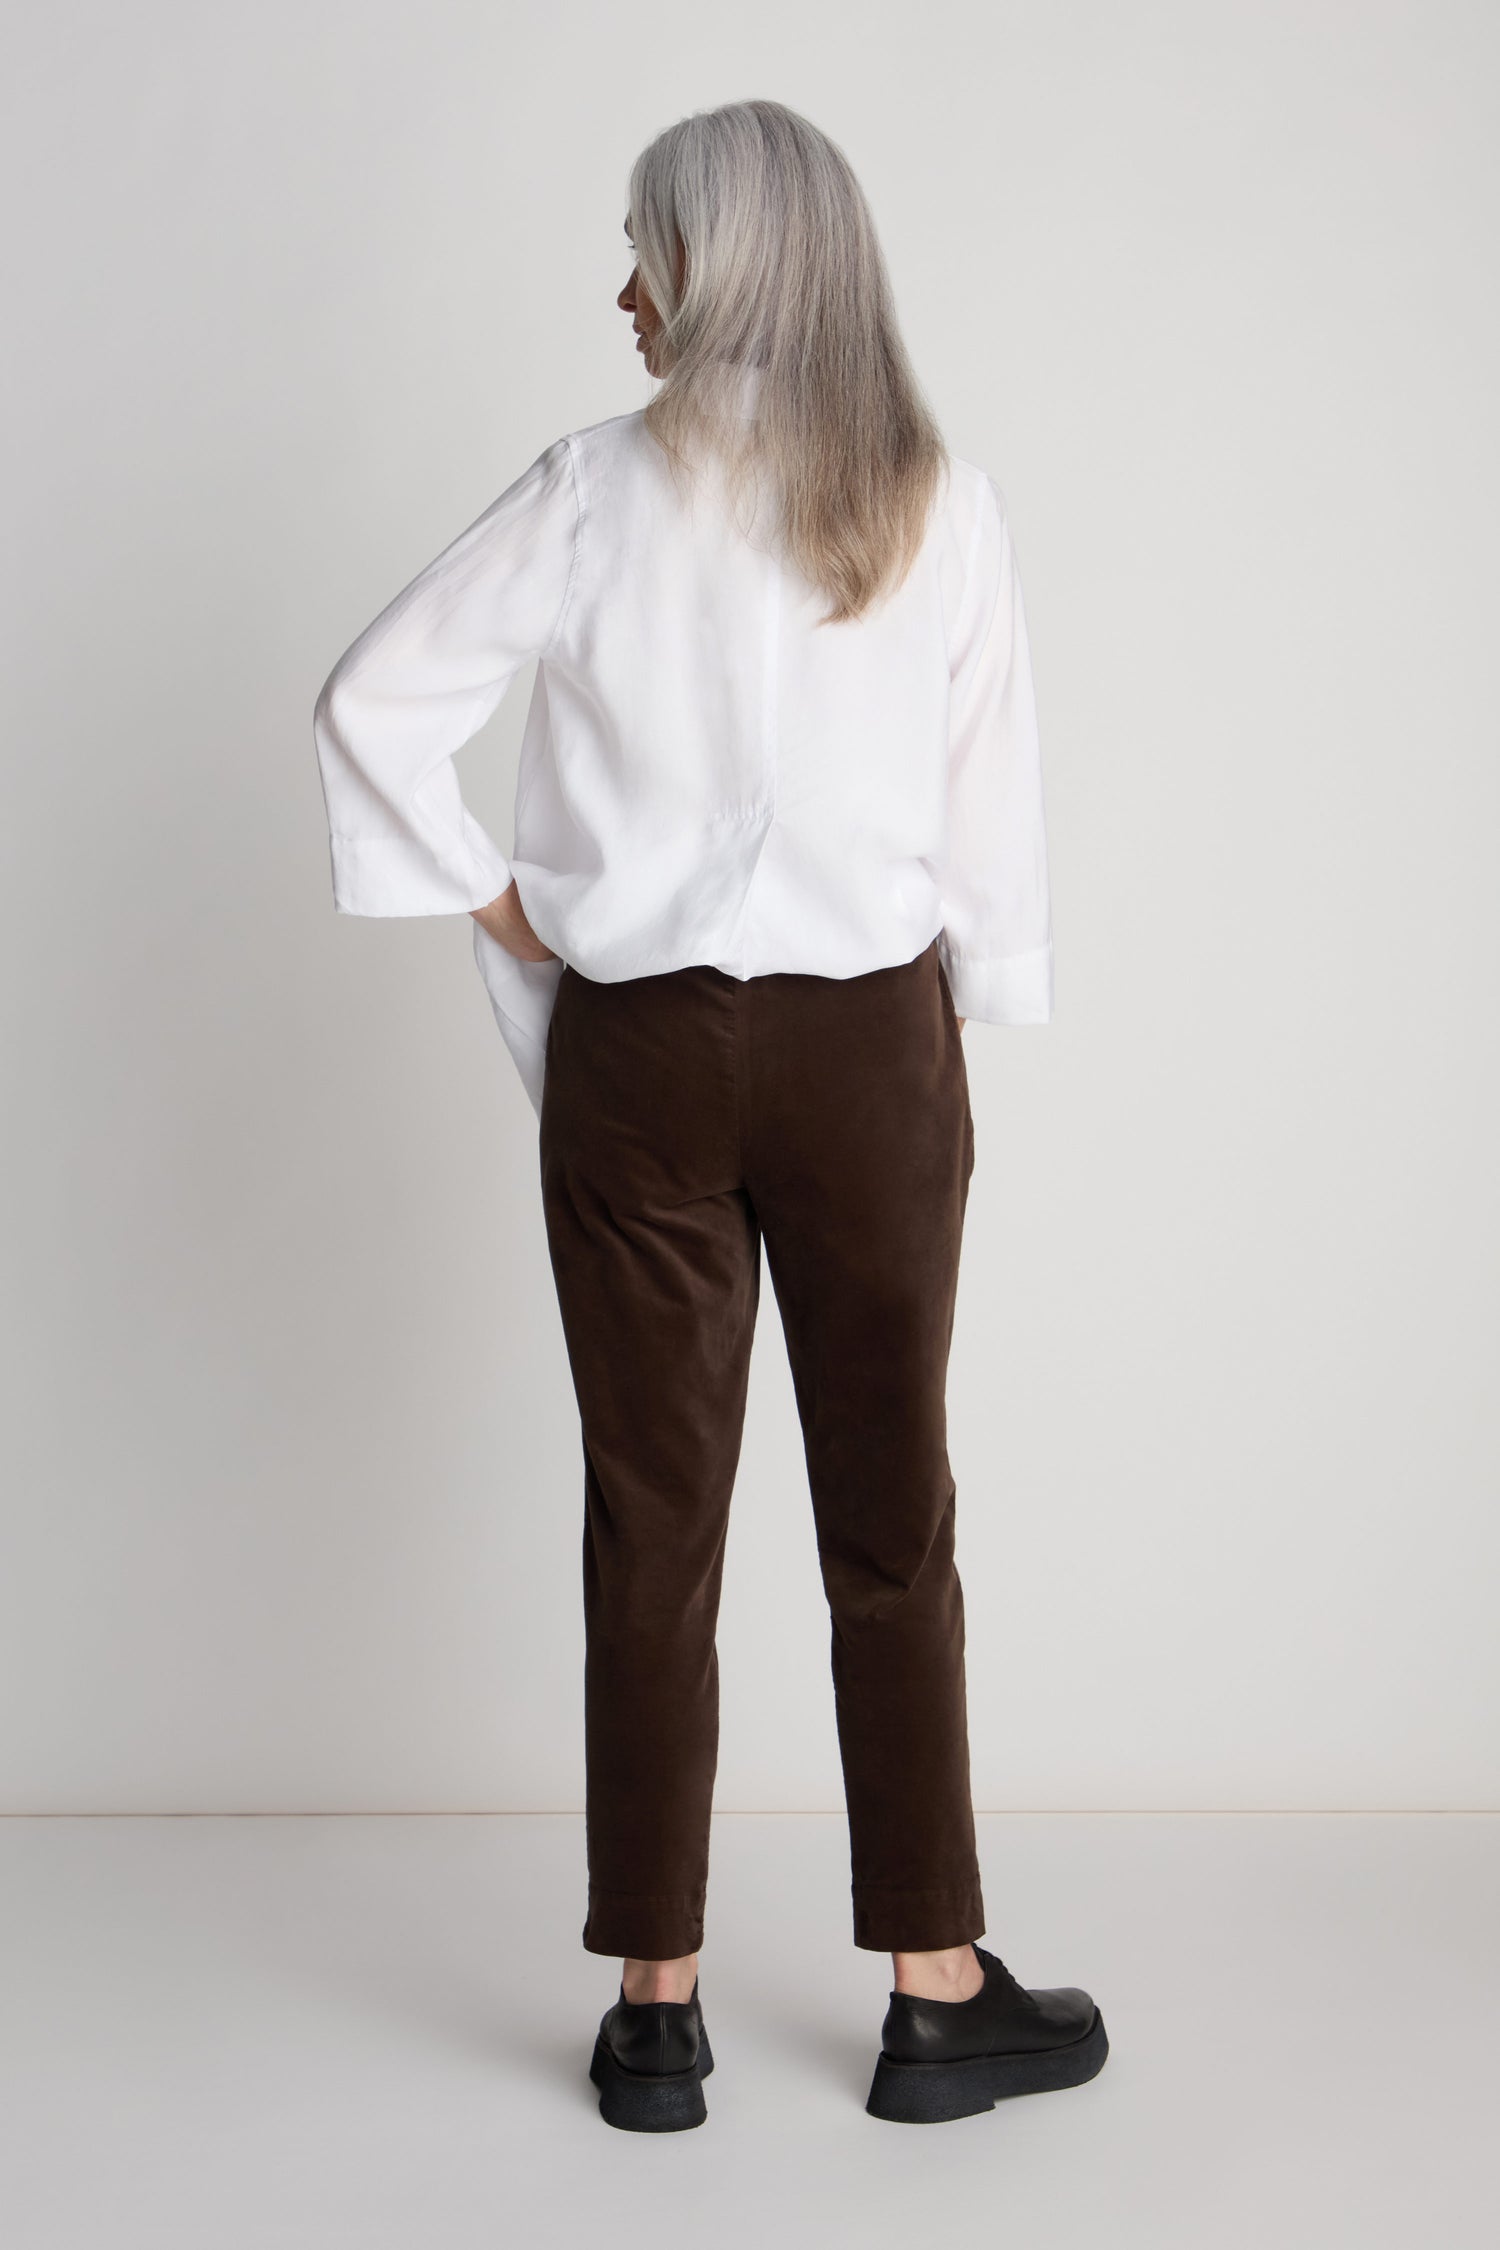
[{"x": 707, "y": 774}]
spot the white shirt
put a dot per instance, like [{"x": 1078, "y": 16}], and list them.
[{"x": 706, "y": 774}]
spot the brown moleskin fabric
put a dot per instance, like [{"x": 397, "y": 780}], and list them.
[{"x": 687, "y": 1117}]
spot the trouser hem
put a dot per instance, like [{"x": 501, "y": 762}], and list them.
[
  {"x": 906, "y": 1921},
  {"x": 644, "y": 1925}
]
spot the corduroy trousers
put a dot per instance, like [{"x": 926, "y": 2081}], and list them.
[{"x": 685, "y": 1118}]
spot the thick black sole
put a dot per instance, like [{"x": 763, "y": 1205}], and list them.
[
  {"x": 930, "y": 2093},
  {"x": 638, "y": 2104}
]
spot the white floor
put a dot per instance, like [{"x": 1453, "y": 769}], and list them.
[{"x": 238, "y": 2034}]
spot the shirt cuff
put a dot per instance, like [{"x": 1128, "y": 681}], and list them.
[
  {"x": 1012, "y": 988},
  {"x": 398, "y": 875}
]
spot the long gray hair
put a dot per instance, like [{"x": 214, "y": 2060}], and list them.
[{"x": 783, "y": 271}]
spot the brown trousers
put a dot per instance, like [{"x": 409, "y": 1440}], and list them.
[{"x": 684, "y": 1117}]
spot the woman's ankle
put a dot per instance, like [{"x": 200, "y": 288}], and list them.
[
  {"x": 642, "y": 1981},
  {"x": 953, "y": 1973}
]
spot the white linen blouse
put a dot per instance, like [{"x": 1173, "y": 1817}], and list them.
[{"x": 707, "y": 774}]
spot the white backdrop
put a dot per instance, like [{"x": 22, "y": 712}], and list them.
[{"x": 294, "y": 1488}]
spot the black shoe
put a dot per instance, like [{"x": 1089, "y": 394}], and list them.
[
  {"x": 953, "y": 2058},
  {"x": 650, "y": 2060}
]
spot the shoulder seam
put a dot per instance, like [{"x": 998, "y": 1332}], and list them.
[
  {"x": 972, "y": 560},
  {"x": 576, "y": 471},
  {"x": 606, "y": 422}
]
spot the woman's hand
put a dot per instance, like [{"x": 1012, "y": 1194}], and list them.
[
  {"x": 505, "y": 920},
  {"x": 961, "y": 1021}
]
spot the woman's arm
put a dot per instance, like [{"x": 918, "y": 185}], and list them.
[
  {"x": 996, "y": 943},
  {"x": 419, "y": 681}
]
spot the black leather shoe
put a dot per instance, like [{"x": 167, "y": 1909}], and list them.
[
  {"x": 650, "y": 2060},
  {"x": 953, "y": 2058}
]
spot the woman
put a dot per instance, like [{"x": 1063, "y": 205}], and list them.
[{"x": 778, "y": 832}]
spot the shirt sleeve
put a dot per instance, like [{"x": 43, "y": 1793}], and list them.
[
  {"x": 996, "y": 942},
  {"x": 419, "y": 681}
]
